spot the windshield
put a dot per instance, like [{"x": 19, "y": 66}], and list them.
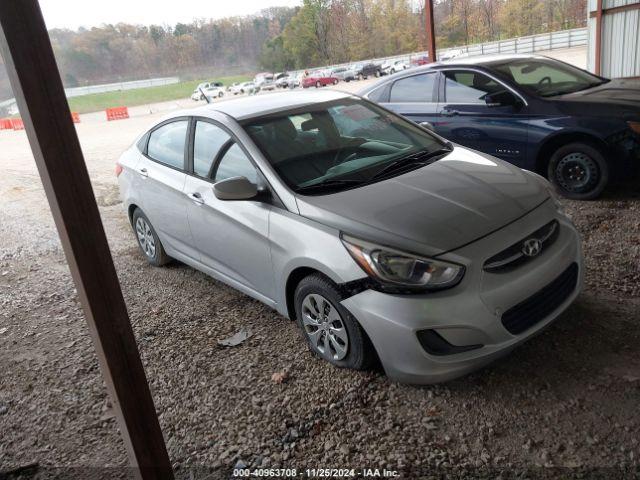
[
  {"x": 340, "y": 144},
  {"x": 546, "y": 77}
]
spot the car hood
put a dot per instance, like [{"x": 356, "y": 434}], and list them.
[
  {"x": 436, "y": 208},
  {"x": 624, "y": 92}
]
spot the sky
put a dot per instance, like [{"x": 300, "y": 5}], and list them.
[{"x": 88, "y": 13}]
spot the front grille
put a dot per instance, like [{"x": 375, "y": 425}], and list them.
[
  {"x": 516, "y": 254},
  {"x": 539, "y": 305}
]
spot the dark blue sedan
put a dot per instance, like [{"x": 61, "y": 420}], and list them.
[{"x": 577, "y": 129}]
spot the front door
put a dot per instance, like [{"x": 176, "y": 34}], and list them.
[
  {"x": 415, "y": 98},
  {"x": 479, "y": 112},
  {"x": 231, "y": 236}
]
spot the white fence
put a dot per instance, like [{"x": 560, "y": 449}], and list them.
[{"x": 114, "y": 87}]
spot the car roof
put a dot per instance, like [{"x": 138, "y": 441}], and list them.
[
  {"x": 477, "y": 61},
  {"x": 259, "y": 105}
]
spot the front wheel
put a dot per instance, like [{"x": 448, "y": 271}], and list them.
[
  {"x": 148, "y": 240},
  {"x": 318, "y": 84},
  {"x": 335, "y": 82},
  {"x": 220, "y": 94},
  {"x": 331, "y": 332},
  {"x": 578, "y": 171}
]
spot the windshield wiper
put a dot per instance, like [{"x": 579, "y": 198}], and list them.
[
  {"x": 329, "y": 184},
  {"x": 420, "y": 158}
]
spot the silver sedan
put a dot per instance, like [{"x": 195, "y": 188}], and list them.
[{"x": 381, "y": 239}]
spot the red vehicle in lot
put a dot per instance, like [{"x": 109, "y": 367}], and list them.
[{"x": 319, "y": 79}]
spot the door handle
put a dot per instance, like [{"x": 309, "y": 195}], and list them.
[
  {"x": 144, "y": 172},
  {"x": 197, "y": 198},
  {"x": 448, "y": 112}
]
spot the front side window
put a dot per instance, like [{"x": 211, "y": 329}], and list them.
[
  {"x": 417, "y": 88},
  {"x": 235, "y": 163},
  {"x": 166, "y": 143},
  {"x": 338, "y": 144},
  {"x": 467, "y": 87},
  {"x": 547, "y": 77},
  {"x": 208, "y": 141}
]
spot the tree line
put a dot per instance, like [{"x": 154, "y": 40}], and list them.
[{"x": 318, "y": 32}]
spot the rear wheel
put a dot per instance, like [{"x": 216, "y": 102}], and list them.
[
  {"x": 578, "y": 171},
  {"x": 335, "y": 81},
  {"x": 330, "y": 331},
  {"x": 318, "y": 84},
  {"x": 148, "y": 240},
  {"x": 220, "y": 94}
]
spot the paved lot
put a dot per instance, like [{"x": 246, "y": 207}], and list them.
[{"x": 567, "y": 399}]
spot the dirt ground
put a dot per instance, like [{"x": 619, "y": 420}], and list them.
[{"x": 567, "y": 400}]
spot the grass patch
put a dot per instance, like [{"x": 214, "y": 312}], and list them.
[{"x": 142, "y": 96}]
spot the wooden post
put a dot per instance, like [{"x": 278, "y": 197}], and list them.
[
  {"x": 431, "y": 33},
  {"x": 36, "y": 83},
  {"x": 598, "y": 52}
]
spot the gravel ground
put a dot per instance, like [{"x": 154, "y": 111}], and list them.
[{"x": 567, "y": 400}]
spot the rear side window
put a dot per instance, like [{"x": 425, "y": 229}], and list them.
[
  {"x": 414, "y": 89},
  {"x": 469, "y": 87},
  {"x": 208, "y": 141},
  {"x": 166, "y": 143}
]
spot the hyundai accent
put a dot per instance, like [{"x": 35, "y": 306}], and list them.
[{"x": 381, "y": 239}]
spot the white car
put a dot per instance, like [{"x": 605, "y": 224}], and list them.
[
  {"x": 265, "y": 81},
  {"x": 393, "y": 66},
  {"x": 214, "y": 91},
  {"x": 204, "y": 87},
  {"x": 244, "y": 87}
]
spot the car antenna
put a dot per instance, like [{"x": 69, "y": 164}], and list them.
[{"x": 205, "y": 97}]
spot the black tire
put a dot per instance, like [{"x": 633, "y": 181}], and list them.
[
  {"x": 361, "y": 76},
  {"x": 335, "y": 82},
  {"x": 318, "y": 84},
  {"x": 220, "y": 94},
  {"x": 360, "y": 353},
  {"x": 159, "y": 256},
  {"x": 578, "y": 171},
  {"x": 377, "y": 74}
]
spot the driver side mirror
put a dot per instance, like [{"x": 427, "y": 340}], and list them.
[
  {"x": 502, "y": 99},
  {"x": 235, "y": 188}
]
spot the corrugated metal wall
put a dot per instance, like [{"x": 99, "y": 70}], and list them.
[{"x": 620, "y": 39}]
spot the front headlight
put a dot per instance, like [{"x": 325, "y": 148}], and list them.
[{"x": 399, "y": 269}]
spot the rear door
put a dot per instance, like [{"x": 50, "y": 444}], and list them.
[
  {"x": 162, "y": 177},
  {"x": 414, "y": 97},
  {"x": 232, "y": 237},
  {"x": 469, "y": 114}
]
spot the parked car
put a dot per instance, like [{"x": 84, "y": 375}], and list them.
[
  {"x": 393, "y": 66},
  {"x": 319, "y": 78},
  {"x": 244, "y": 87},
  {"x": 264, "y": 81},
  {"x": 197, "y": 93},
  {"x": 215, "y": 90},
  {"x": 366, "y": 70},
  {"x": 380, "y": 238},
  {"x": 345, "y": 74},
  {"x": 296, "y": 80},
  {"x": 420, "y": 61},
  {"x": 451, "y": 54},
  {"x": 282, "y": 80},
  {"x": 573, "y": 127}
]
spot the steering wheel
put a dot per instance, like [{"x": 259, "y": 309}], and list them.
[{"x": 543, "y": 80}]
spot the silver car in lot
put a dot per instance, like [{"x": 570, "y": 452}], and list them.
[{"x": 381, "y": 239}]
